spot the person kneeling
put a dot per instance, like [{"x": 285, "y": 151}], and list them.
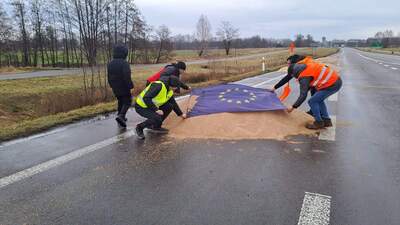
[{"x": 158, "y": 95}]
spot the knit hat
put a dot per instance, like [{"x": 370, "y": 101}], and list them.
[{"x": 180, "y": 65}]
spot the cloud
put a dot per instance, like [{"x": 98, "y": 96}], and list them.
[{"x": 283, "y": 18}]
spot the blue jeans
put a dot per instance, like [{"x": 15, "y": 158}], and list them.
[{"x": 317, "y": 104}]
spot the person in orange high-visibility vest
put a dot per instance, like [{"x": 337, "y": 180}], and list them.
[{"x": 323, "y": 82}]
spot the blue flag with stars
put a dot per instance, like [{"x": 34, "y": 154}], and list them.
[{"x": 233, "y": 98}]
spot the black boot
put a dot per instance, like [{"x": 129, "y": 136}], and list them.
[
  {"x": 316, "y": 125},
  {"x": 139, "y": 132},
  {"x": 159, "y": 130},
  {"x": 309, "y": 112},
  {"x": 327, "y": 122},
  {"x": 121, "y": 120}
]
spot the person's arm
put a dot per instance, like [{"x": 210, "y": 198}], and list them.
[
  {"x": 175, "y": 107},
  {"x": 153, "y": 91},
  {"x": 184, "y": 86},
  {"x": 283, "y": 81},
  {"x": 304, "y": 87},
  {"x": 126, "y": 71}
]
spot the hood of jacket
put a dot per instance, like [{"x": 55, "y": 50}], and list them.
[{"x": 120, "y": 52}]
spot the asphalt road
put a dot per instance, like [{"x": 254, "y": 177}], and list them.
[
  {"x": 75, "y": 71},
  {"x": 89, "y": 173}
]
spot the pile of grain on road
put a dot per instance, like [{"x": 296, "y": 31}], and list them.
[{"x": 248, "y": 125}]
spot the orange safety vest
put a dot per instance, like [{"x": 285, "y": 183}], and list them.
[{"x": 323, "y": 76}]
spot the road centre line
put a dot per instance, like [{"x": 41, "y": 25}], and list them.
[
  {"x": 268, "y": 81},
  {"x": 42, "y": 167},
  {"x": 315, "y": 209}
]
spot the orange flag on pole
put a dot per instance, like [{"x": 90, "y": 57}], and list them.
[
  {"x": 285, "y": 93},
  {"x": 292, "y": 48}
]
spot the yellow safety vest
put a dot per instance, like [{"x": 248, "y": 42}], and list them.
[{"x": 162, "y": 97}]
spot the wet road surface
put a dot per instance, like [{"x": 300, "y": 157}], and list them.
[{"x": 351, "y": 177}]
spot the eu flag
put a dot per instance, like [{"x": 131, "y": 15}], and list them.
[{"x": 234, "y": 98}]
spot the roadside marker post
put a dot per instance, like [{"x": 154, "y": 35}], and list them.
[{"x": 263, "y": 64}]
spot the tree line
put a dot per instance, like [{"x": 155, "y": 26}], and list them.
[
  {"x": 70, "y": 33},
  {"x": 74, "y": 33}
]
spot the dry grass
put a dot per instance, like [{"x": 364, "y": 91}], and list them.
[
  {"x": 31, "y": 105},
  {"x": 186, "y": 55}
]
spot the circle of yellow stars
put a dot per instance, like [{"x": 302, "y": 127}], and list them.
[{"x": 251, "y": 96}]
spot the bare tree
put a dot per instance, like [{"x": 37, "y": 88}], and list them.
[
  {"x": 138, "y": 30},
  {"x": 163, "y": 35},
  {"x": 203, "y": 34},
  {"x": 5, "y": 33},
  {"x": 20, "y": 14},
  {"x": 227, "y": 33},
  {"x": 37, "y": 22},
  {"x": 384, "y": 34},
  {"x": 388, "y": 33}
]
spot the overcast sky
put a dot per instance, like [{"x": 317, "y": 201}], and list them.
[{"x": 342, "y": 19}]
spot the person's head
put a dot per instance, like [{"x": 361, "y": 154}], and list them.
[
  {"x": 181, "y": 66},
  {"x": 120, "y": 51},
  {"x": 295, "y": 59}
]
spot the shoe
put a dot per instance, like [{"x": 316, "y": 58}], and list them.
[
  {"x": 121, "y": 121},
  {"x": 159, "y": 130},
  {"x": 139, "y": 132},
  {"x": 316, "y": 125},
  {"x": 309, "y": 112},
  {"x": 327, "y": 122}
]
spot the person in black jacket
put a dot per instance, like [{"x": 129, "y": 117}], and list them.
[
  {"x": 154, "y": 120},
  {"x": 119, "y": 78},
  {"x": 175, "y": 69}
]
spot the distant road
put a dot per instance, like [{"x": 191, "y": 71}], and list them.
[{"x": 75, "y": 71}]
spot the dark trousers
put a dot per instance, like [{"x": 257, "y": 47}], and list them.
[
  {"x": 154, "y": 120},
  {"x": 124, "y": 102},
  {"x": 317, "y": 101}
]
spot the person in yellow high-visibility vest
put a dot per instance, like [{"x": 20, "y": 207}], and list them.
[{"x": 158, "y": 95}]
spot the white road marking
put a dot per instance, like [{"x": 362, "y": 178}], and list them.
[
  {"x": 374, "y": 60},
  {"x": 329, "y": 133},
  {"x": 21, "y": 175},
  {"x": 315, "y": 210},
  {"x": 394, "y": 68},
  {"x": 268, "y": 81},
  {"x": 386, "y": 65},
  {"x": 5, "y": 181},
  {"x": 333, "y": 98}
]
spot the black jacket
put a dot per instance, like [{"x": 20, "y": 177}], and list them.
[
  {"x": 119, "y": 72},
  {"x": 171, "y": 70}
]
